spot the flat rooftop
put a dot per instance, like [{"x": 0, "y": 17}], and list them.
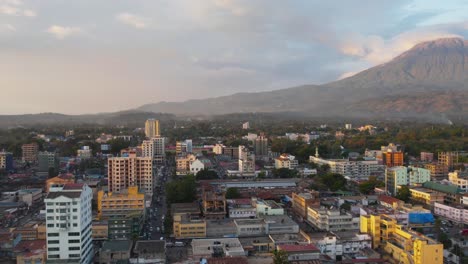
[{"x": 230, "y": 246}]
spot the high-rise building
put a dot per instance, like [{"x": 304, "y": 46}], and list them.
[
  {"x": 48, "y": 160},
  {"x": 152, "y": 128},
  {"x": 246, "y": 160},
  {"x": 112, "y": 204},
  {"x": 155, "y": 148},
  {"x": 448, "y": 159},
  {"x": 125, "y": 172},
  {"x": 392, "y": 155},
  {"x": 261, "y": 146},
  {"x": 68, "y": 223},
  {"x": 438, "y": 171},
  {"x": 6, "y": 161},
  {"x": 30, "y": 152}
]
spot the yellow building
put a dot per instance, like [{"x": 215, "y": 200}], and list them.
[
  {"x": 185, "y": 227},
  {"x": 41, "y": 231},
  {"x": 426, "y": 196},
  {"x": 300, "y": 202},
  {"x": 404, "y": 246},
  {"x": 112, "y": 204},
  {"x": 152, "y": 128}
]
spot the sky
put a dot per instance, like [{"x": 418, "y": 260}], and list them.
[{"x": 88, "y": 56}]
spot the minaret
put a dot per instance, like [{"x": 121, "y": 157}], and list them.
[{"x": 316, "y": 152}]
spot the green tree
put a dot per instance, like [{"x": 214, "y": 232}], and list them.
[
  {"x": 445, "y": 240},
  {"x": 261, "y": 175},
  {"x": 333, "y": 181},
  {"x": 403, "y": 194},
  {"x": 232, "y": 193},
  {"x": 345, "y": 206},
  {"x": 206, "y": 174},
  {"x": 181, "y": 191},
  {"x": 368, "y": 186},
  {"x": 284, "y": 173},
  {"x": 280, "y": 257},
  {"x": 118, "y": 144}
]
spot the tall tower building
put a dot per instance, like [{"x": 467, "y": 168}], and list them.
[
  {"x": 30, "y": 152},
  {"x": 68, "y": 223},
  {"x": 155, "y": 148},
  {"x": 246, "y": 160},
  {"x": 124, "y": 172},
  {"x": 261, "y": 145},
  {"x": 152, "y": 128}
]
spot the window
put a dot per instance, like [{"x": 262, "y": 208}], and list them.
[
  {"x": 73, "y": 234},
  {"x": 52, "y": 242},
  {"x": 74, "y": 241},
  {"x": 74, "y": 255},
  {"x": 53, "y": 249},
  {"x": 75, "y": 210},
  {"x": 52, "y": 234},
  {"x": 53, "y": 256},
  {"x": 74, "y": 248}
]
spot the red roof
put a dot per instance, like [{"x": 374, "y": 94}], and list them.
[
  {"x": 31, "y": 247},
  {"x": 73, "y": 186},
  {"x": 228, "y": 260},
  {"x": 66, "y": 176},
  {"x": 298, "y": 248},
  {"x": 388, "y": 199}
]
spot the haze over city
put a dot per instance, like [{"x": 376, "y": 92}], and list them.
[{"x": 78, "y": 57}]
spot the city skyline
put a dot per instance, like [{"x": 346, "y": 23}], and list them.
[{"x": 89, "y": 57}]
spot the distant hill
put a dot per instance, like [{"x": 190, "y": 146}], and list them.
[
  {"x": 47, "y": 119},
  {"x": 431, "y": 78}
]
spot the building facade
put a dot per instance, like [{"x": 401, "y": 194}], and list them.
[
  {"x": 455, "y": 214},
  {"x": 30, "y": 152},
  {"x": 286, "y": 161},
  {"x": 152, "y": 128},
  {"x": 392, "y": 155},
  {"x": 110, "y": 204},
  {"x": 332, "y": 219},
  {"x": 6, "y": 161},
  {"x": 48, "y": 160},
  {"x": 68, "y": 223},
  {"x": 246, "y": 160},
  {"x": 125, "y": 172}
]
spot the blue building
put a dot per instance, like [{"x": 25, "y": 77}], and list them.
[{"x": 6, "y": 161}]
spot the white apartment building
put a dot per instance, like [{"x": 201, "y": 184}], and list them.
[
  {"x": 154, "y": 148},
  {"x": 460, "y": 179},
  {"x": 246, "y": 160},
  {"x": 85, "y": 152},
  {"x": 339, "y": 243},
  {"x": 332, "y": 219},
  {"x": 361, "y": 169},
  {"x": 267, "y": 207},
  {"x": 68, "y": 223},
  {"x": 218, "y": 149},
  {"x": 131, "y": 170},
  {"x": 455, "y": 214}
]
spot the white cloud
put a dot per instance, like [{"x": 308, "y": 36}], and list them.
[
  {"x": 61, "y": 32},
  {"x": 14, "y": 8},
  {"x": 347, "y": 74},
  {"x": 133, "y": 20}
]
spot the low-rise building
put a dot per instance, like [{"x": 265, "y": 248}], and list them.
[
  {"x": 300, "y": 202},
  {"x": 438, "y": 171},
  {"x": 267, "y": 207},
  {"x": 183, "y": 164},
  {"x": 241, "y": 208},
  {"x": 331, "y": 219},
  {"x": 402, "y": 245},
  {"x": 84, "y": 152},
  {"x": 452, "y": 213},
  {"x": 286, "y": 161},
  {"x": 115, "y": 251},
  {"x": 62, "y": 179},
  {"x": 460, "y": 179},
  {"x": 452, "y": 195},
  {"x": 214, "y": 204},
  {"x": 298, "y": 253},
  {"x": 426, "y": 196},
  {"x": 351, "y": 169},
  {"x": 6, "y": 161},
  {"x": 186, "y": 227},
  {"x": 151, "y": 251},
  {"x": 31, "y": 251},
  {"x": 218, "y": 247}
]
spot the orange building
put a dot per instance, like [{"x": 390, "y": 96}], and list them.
[
  {"x": 60, "y": 180},
  {"x": 392, "y": 155}
]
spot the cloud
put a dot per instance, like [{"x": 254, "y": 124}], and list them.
[
  {"x": 14, "y": 8},
  {"x": 347, "y": 74},
  {"x": 61, "y": 32},
  {"x": 133, "y": 20},
  {"x": 7, "y": 28}
]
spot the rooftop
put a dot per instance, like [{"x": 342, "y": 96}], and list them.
[
  {"x": 208, "y": 246},
  {"x": 73, "y": 186},
  {"x": 298, "y": 248},
  {"x": 30, "y": 247},
  {"x": 53, "y": 195},
  {"x": 150, "y": 246},
  {"x": 117, "y": 245},
  {"x": 452, "y": 189},
  {"x": 388, "y": 199}
]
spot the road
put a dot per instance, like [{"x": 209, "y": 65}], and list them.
[{"x": 154, "y": 227}]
